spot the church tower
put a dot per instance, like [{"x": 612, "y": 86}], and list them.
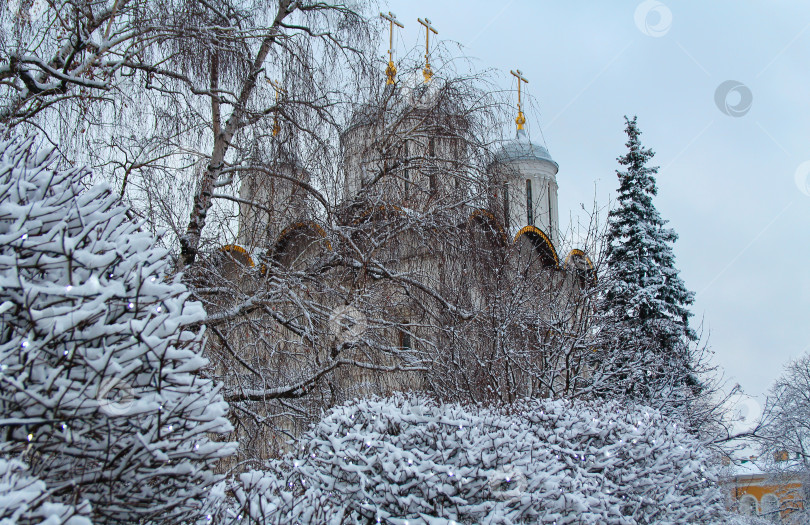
[
  {"x": 525, "y": 187},
  {"x": 523, "y": 184},
  {"x": 412, "y": 152},
  {"x": 408, "y": 150},
  {"x": 272, "y": 199}
]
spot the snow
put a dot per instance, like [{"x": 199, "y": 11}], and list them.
[
  {"x": 101, "y": 400},
  {"x": 106, "y": 416},
  {"x": 23, "y": 499},
  {"x": 408, "y": 458}
]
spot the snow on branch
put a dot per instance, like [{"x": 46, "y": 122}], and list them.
[
  {"x": 99, "y": 387},
  {"x": 408, "y": 459}
]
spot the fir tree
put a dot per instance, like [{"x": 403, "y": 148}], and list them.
[
  {"x": 650, "y": 337},
  {"x": 101, "y": 403}
]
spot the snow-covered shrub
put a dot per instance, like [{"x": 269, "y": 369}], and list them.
[
  {"x": 99, "y": 387},
  {"x": 25, "y": 499},
  {"x": 410, "y": 460},
  {"x": 738, "y": 519}
]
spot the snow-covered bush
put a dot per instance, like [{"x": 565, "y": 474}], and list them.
[
  {"x": 24, "y": 499},
  {"x": 99, "y": 387},
  {"x": 738, "y": 519},
  {"x": 410, "y": 460}
]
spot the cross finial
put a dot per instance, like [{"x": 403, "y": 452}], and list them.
[
  {"x": 391, "y": 71},
  {"x": 279, "y": 91},
  {"x": 427, "y": 72},
  {"x": 520, "y": 120}
]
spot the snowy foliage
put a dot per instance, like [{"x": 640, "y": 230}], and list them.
[
  {"x": 738, "y": 519},
  {"x": 647, "y": 299},
  {"x": 99, "y": 387},
  {"x": 783, "y": 435},
  {"x": 785, "y": 424},
  {"x": 408, "y": 459},
  {"x": 24, "y": 498}
]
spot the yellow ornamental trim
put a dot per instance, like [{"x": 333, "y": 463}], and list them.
[
  {"x": 579, "y": 253},
  {"x": 303, "y": 226},
  {"x": 236, "y": 249},
  {"x": 537, "y": 231},
  {"x": 381, "y": 207},
  {"x": 481, "y": 212},
  {"x": 488, "y": 215}
]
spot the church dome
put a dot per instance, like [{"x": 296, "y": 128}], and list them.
[
  {"x": 522, "y": 149},
  {"x": 410, "y": 94}
]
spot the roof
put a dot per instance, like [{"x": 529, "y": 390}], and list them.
[
  {"x": 755, "y": 467},
  {"x": 521, "y": 148},
  {"x": 411, "y": 95},
  {"x": 747, "y": 467}
]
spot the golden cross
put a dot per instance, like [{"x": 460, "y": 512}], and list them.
[
  {"x": 391, "y": 72},
  {"x": 276, "y": 87},
  {"x": 279, "y": 91},
  {"x": 520, "y": 120},
  {"x": 428, "y": 28}
]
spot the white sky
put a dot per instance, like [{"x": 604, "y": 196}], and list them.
[{"x": 728, "y": 185}]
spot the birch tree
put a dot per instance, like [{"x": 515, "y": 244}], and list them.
[
  {"x": 783, "y": 434},
  {"x": 334, "y": 227}
]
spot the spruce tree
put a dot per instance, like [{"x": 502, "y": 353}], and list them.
[{"x": 650, "y": 341}]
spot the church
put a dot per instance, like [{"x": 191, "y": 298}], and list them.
[
  {"x": 438, "y": 266},
  {"x": 408, "y": 152}
]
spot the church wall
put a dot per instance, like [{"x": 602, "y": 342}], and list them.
[
  {"x": 279, "y": 202},
  {"x": 424, "y": 162},
  {"x": 463, "y": 356},
  {"x": 488, "y": 357}
]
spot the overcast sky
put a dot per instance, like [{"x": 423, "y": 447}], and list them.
[{"x": 731, "y": 183}]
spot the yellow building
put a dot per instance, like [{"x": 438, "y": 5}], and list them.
[{"x": 757, "y": 488}]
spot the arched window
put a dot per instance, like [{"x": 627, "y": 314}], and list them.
[
  {"x": 506, "y": 206},
  {"x": 405, "y": 341},
  {"x": 748, "y": 505},
  {"x": 550, "y": 215},
  {"x": 406, "y": 173},
  {"x": 770, "y": 508},
  {"x": 529, "y": 206}
]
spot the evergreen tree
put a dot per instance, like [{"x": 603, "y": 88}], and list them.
[
  {"x": 650, "y": 338},
  {"x": 101, "y": 403}
]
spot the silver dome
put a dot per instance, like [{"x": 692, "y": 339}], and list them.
[{"x": 522, "y": 149}]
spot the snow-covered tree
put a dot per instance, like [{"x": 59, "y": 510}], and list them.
[
  {"x": 785, "y": 422},
  {"x": 100, "y": 392},
  {"x": 783, "y": 433},
  {"x": 649, "y": 334},
  {"x": 318, "y": 183},
  {"x": 733, "y": 519},
  {"x": 408, "y": 459},
  {"x": 172, "y": 102},
  {"x": 171, "y": 96}
]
